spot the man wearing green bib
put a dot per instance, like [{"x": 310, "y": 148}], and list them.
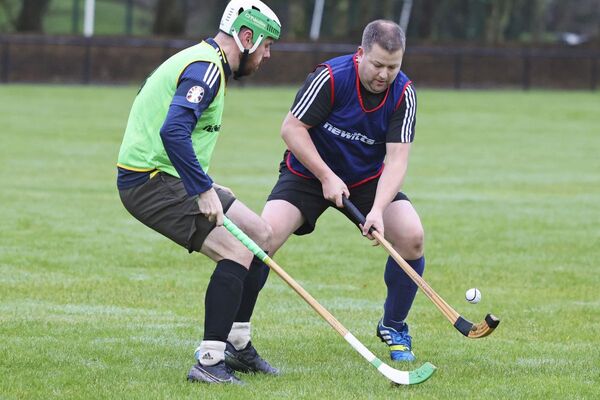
[{"x": 163, "y": 179}]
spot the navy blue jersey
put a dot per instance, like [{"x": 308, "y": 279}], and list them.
[{"x": 352, "y": 138}]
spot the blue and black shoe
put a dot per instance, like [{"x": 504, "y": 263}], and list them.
[{"x": 399, "y": 341}]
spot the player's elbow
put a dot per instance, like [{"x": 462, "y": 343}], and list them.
[
  {"x": 173, "y": 135},
  {"x": 289, "y": 126},
  {"x": 285, "y": 135},
  {"x": 264, "y": 234},
  {"x": 167, "y": 134},
  {"x": 285, "y": 128}
]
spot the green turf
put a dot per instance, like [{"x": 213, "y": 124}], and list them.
[{"x": 95, "y": 305}]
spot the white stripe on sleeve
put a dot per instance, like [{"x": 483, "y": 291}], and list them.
[
  {"x": 409, "y": 115},
  {"x": 211, "y": 68},
  {"x": 311, "y": 93},
  {"x": 213, "y": 78}
]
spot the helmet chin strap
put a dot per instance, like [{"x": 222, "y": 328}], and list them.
[
  {"x": 243, "y": 59},
  {"x": 245, "y": 53}
]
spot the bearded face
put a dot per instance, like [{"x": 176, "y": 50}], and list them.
[{"x": 255, "y": 59}]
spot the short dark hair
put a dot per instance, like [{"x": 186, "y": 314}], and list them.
[{"x": 386, "y": 34}]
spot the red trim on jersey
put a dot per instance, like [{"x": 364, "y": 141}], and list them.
[
  {"x": 292, "y": 170},
  {"x": 360, "y": 100},
  {"x": 377, "y": 175},
  {"x": 331, "y": 81},
  {"x": 402, "y": 96},
  {"x": 332, "y": 84}
]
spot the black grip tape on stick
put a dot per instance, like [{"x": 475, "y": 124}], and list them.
[{"x": 354, "y": 212}]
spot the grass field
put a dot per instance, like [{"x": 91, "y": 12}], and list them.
[{"x": 94, "y": 305}]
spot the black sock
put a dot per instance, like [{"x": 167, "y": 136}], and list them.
[
  {"x": 255, "y": 281},
  {"x": 222, "y": 300}
]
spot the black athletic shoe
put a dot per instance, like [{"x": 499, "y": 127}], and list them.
[
  {"x": 247, "y": 360},
  {"x": 218, "y": 373}
]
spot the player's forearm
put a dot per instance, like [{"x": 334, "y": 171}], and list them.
[
  {"x": 387, "y": 188},
  {"x": 392, "y": 177},
  {"x": 184, "y": 160},
  {"x": 176, "y": 137}
]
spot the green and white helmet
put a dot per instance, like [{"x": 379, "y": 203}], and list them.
[{"x": 253, "y": 14}]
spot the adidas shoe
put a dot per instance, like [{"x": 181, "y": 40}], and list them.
[
  {"x": 247, "y": 360},
  {"x": 218, "y": 373},
  {"x": 399, "y": 341}
]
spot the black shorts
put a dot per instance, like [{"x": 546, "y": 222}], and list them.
[
  {"x": 162, "y": 204},
  {"x": 307, "y": 196}
]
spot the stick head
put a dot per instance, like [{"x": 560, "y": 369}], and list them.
[
  {"x": 476, "y": 331},
  {"x": 484, "y": 328},
  {"x": 398, "y": 377}
]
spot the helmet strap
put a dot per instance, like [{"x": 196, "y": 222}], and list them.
[
  {"x": 240, "y": 46},
  {"x": 257, "y": 43},
  {"x": 245, "y": 52},
  {"x": 238, "y": 74}
]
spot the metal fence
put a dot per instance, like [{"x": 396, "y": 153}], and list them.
[{"x": 126, "y": 60}]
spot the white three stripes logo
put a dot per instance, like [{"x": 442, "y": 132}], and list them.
[
  {"x": 211, "y": 75},
  {"x": 309, "y": 96},
  {"x": 409, "y": 115}
]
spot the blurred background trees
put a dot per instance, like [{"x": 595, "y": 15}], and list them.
[
  {"x": 483, "y": 22},
  {"x": 31, "y": 15}
]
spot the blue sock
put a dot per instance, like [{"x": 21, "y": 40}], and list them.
[{"x": 401, "y": 291}]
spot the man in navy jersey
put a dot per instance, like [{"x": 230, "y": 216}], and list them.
[
  {"x": 353, "y": 113},
  {"x": 163, "y": 179}
]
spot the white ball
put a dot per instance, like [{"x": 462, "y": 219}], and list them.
[{"x": 473, "y": 296}]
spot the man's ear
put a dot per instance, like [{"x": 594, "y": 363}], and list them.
[
  {"x": 360, "y": 53},
  {"x": 246, "y": 37}
]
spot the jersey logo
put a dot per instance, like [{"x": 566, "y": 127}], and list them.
[
  {"x": 212, "y": 128},
  {"x": 348, "y": 135},
  {"x": 195, "y": 94}
]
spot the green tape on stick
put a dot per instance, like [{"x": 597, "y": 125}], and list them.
[{"x": 246, "y": 241}]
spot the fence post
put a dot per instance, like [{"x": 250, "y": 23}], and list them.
[
  {"x": 526, "y": 70},
  {"x": 457, "y": 70},
  {"x": 6, "y": 62},
  {"x": 87, "y": 61}
]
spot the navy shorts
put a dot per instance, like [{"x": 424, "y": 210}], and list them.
[{"x": 307, "y": 195}]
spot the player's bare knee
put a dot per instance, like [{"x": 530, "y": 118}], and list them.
[
  {"x": 263, "y": 234},
  {"x": 240, "y": 255},
  {"x": 411, "y": 244},
  {"x": 228, "y": 248},
  {"x": 416, "y": 244}
]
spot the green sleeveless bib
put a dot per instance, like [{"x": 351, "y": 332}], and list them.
[{"x": 142, "y": 148}]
